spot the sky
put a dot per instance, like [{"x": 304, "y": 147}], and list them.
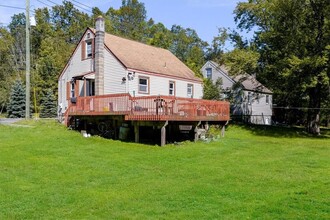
[{"x": 204, "y": 16}]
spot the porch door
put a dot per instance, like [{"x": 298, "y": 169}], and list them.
[
  {"x": 90, "y": 85},
  {"x": 90, "y": 90}
]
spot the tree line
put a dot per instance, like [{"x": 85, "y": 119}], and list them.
[{"x": 289, "y": 51}]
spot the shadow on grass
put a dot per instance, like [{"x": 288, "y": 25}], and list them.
[{"x": 282, "y": 131}]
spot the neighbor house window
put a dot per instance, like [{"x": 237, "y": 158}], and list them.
[
  {"x": 143, "y": 85},
  {"x": 267, "y": 99},
  {"x": 190, "y": 90},
  {"x": 249, "y": 98},
  {"x": 171, "y": 88},
  {"x": 209, "y": 73},
  {"x": 257, "y": 97}
]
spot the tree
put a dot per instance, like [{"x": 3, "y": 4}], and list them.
[
  {"x": 16, "y": 105},
  {"x": 293, "y": 39},
  {"x": 129, "y": 20},
  {"x": 212, "y": 91},
  {"x": 48, "y": 105},
  {"x": 6, "y": 65},
  {"x": 241, "y": 61},
  {"x": 158, "y": 35}
]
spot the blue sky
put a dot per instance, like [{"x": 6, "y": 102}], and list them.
[{"x": 205, "y": 16}]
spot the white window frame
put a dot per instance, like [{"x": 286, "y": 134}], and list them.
[
  {"x": 209, "y": 73},
  {"x": 267, "y": 99},
  {"x": 190, "y": 90},
  {"x": 89, "y": 49},
  {"x": 144, "y": 88},
  {"x": 171, "y": 91}
]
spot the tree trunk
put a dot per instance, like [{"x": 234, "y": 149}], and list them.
[{"x": 313, "y": 117}]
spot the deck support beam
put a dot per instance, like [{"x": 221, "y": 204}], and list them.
[
  {"x": 196, "y": 131},
  {"x": 137, "y": 132},
  {"x": 223, "y": 129},
  {"x": 163, "y": 135}
]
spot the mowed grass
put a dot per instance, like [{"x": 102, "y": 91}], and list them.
[{"x": 49, "y": 172}]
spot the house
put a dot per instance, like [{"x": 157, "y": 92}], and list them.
[
  {"x": 253, "y": 101},
  {"x": 120, "y": 86}
]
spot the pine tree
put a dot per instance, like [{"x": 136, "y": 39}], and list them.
[
  {"x": 16, "y": 105},
  {"x": 48, "y": 105}
]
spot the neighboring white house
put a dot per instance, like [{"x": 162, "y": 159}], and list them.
[
  {"x": 253, "y": 101},
  {"x": 106, "y": 64}
]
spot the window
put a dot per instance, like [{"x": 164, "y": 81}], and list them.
[
  {"x": 258, "y": 97},
  {"x": 190, "y": 90},
  {"x": 209, "y": 73},
  {"x": 249, "y": 98},
  {"x": 171, "y": 88},
  {"x": 89, "y": 51},
  {"x": 72, "y": 90},
  {"x": 267, "y": 99},
  {"x": 143, "y": 85}
]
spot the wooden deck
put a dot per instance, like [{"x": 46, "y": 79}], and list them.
[{"x": 150, "y": 108}]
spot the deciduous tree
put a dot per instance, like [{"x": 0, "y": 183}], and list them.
[{"x": 293, "y": 39}]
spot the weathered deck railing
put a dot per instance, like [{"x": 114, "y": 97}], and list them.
[{"x": 151, "y": 108}]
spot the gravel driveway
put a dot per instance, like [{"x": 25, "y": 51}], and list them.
[{"x": 8, "y": 121}]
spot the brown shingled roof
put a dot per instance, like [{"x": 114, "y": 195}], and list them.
[
  {"x": 251, "y": 83},
  {"x": 248, "y": 82},
  {"x": 143, "y": 57}
]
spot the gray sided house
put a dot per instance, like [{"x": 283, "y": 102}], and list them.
[{"x": 252, "y": 100}]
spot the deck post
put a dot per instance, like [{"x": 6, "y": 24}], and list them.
[
  {"x": 196, "y": 131},
  {"x": 163, "y": 135},
  {"x": 137, "y": 132},
  {"x": 223, "y": 128}
]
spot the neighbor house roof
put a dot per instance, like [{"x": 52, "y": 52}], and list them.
[
  {"x": 143, "y": 57},
  {"x": 248, "y": 82},
  {"x": 251, "y": 83}
]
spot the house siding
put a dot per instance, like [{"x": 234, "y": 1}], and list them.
[
  {"x": 114, "y": 72},
  {"x": 159, "y": 85},
  {"x": 254, "y": 112},
  {"x": 75, "y": 67},
  {"x": 227, "y": 82}
]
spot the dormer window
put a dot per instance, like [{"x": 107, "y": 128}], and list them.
[{"x": 89, "y": 49}]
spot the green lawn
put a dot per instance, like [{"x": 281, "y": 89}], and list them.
[{"x": 49, "y": 172}]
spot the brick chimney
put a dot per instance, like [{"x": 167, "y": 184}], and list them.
[{"x": 99, "y": 56}]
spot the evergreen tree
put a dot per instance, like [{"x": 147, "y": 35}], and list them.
[
  {"x": 212, "y": 91},
  {"x": 48, "y": 105},
  {"x": 16, "y": 105}
]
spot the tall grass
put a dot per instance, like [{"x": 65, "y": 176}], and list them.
[{"x": 49, "y": 172}]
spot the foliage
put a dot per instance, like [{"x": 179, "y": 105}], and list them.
[
  {"x": 50, "y": 172},
  {"x": 48, "y": 105},
  {"x": 241, "y": 61},
  {"x": 129, "y": 19},
  {"x": 6, "y": 65},
  {"x": 16, "y": 105},
  {"x": 212, "y": 91},
  {"x": 293, "y": 39}
]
